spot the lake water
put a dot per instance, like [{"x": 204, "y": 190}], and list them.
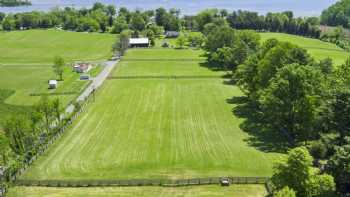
[{"x": 299, "y": 7}]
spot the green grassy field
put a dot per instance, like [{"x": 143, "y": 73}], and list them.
[
  {"x": 27, "y": 80},
  {"x": 163, "y": 68},
  {"x": 156, "y": 128},
  {"x": 198, "y": 191},
  {"x": 164, "y": 54},
  {"x": 41, "y": 46},
  {"x": 19, "y": 83},
  {"x": 25, "y": 64},
  {"x": 317, "y": 48}
]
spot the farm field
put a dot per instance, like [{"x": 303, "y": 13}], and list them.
[
  {"x": 22, "y": 86},
  {"x": 27, "y": 80},
  {"x": 26, "y": 65},
  {"x": 164, "y": 68},
  {"x": 41, "y": 46},
  {"x": 156, "y": 128},
  {"x": 164, "y": 54},
  {"x": 317, "y": 48},
  {"x": 196, "y": 191}
]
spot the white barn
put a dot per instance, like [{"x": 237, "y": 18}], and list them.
[{"x": 139, "y": 42}]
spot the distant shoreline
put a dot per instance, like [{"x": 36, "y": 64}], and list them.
[
  {"x": 308, "y": 8},
  {"x": 14, "y": 3}
]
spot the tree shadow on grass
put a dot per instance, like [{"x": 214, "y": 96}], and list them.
[
  {"x": 211, "y": 66},
  {"x": 260, "y": 136}
]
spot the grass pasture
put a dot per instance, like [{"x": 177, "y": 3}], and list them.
[
  {"x": 27, "y": 80},
  {"x": 41, "y": 46},
  {"x": 164, "y": 54},
  {"x": 21, "y": 87},
  {"x": 201, "y": 191},
  {"x": 317, "y": 48},
  {"x": 156, "y": 128},
  {"x": 26, "y": 59}
]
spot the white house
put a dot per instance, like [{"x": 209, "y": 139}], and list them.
[
  {"x": 139, "y": 42},
  {"x": 82, "y": 67},
  {"x": 53, "y": 84}
]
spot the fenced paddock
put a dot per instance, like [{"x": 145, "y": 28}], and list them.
[{"x": 140, "y": 182}]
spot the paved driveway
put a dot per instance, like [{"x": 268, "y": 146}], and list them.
[{"x": 96, "y": 82}]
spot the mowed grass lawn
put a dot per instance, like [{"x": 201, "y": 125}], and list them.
[
  {"x": 196, "y": 191},
  {"x": 41, "y": 46},
  {"x": 27, "y": 80},
  {"x": 317, "y": 48},
  {"x": 26, "y": 59},
  {"x": 156, "y": 128}
]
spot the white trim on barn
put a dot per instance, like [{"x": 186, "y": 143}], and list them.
[{"x": 139, "y": 42}]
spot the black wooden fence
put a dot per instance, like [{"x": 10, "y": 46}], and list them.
[
  {"x": 141, "y": 182},
  {"x": 164, "y": 59},
  {"x": 12, "y": 177},
  {"x": 166, "y": 77}
]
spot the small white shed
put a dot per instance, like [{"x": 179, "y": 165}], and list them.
[{"x": 53, "y": 84}]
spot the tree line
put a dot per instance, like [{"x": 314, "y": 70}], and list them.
[
  {"x": 26, "y": 134},
  {"x": 337, "y": 15},
  {"x": 274, "y": 22},
  {"x": 291, "y": 95},
  {"x": 13, "y": 3},
  {"x": 105, "y": 18}
]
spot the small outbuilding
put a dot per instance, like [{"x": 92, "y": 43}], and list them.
[
  {"x": 53, "y": 84},
  {"x": 172, "y": 34},
  {"x": 139, "y": 42}
]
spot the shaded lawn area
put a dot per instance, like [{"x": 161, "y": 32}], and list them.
[{"x": 195, "y": 191}]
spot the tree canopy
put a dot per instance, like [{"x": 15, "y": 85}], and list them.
[{"x": 337, "y": 14}]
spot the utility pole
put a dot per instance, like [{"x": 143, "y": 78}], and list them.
[{"x": 93, "y": 93}]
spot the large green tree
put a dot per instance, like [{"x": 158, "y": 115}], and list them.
[
  {"x": 285, "y": 192},
  {"x": 292, "y": 99},
  {"x": 17, "y": 130},
  {"x": 58, "y": 67},
  {"x": 275, "y": 56},
  {"x": 339, "y": 167},
  {"x": 337, "y": 14},
  {"x": 297, "y": 173}
]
